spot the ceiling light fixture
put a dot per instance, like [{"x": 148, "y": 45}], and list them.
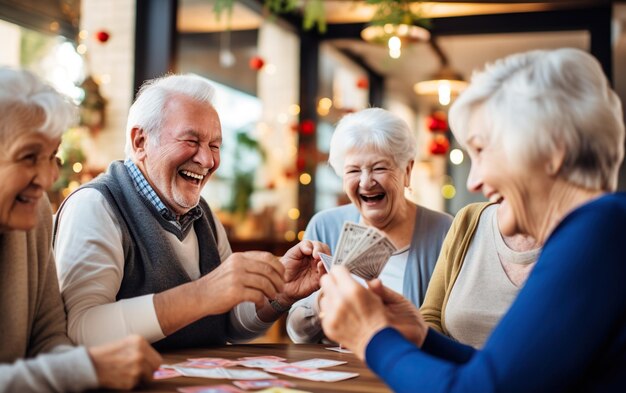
[
  {"x": 395, "y": 36},
  {"x": 445, "y": 83}
]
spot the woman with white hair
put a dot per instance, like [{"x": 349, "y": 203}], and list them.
[
  {"x": 373, "y": 151},
  {"x": 545, "y": 133},
  {"x": 35, "y": 352}
]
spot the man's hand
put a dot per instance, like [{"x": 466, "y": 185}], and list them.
[
  {"x": 303, "y": 269},
  {"x": 247, "y": 276},
  {"x": 401, "y": 313},
  {"x": 125, "y": 363}
]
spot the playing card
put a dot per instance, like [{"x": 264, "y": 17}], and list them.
[
  {"x": 318, "y": 363},
  {"x": 231, "y": 373},
  {"x": 261, "y": 363},
  {"x": 209, "y": 389},
  {"x": 290, "y": 370},
  {"x": 339, "y": 349},
  {"x": 165, "y": 373},
  {"x": 213, "y": 362},
  {"x": 215, "y": 373},
  {"x": 327, "y": 260},
  {"x": 328, "y": 376},
  {"x": 268, "y": 357},
  {"x": 281, "y": 390},
  {"x": 204, "y": 364},
  {"x": 262, "y": 384},
  {"x": 350, "y": 236}
]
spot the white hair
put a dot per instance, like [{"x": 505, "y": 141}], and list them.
[
  {"x": 372, "y": 128},
  {"x": 149, "y": 109},
  {"x": 26, "y": 100},
  {"x": 538, "y": 102}
]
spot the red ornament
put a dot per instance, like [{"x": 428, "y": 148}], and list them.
[
  {"x": 290, "y": 174},
  {"x": 307, "y": 127},
  {"x": 300, "y": 164},
  {"x": 102, "y": 36},
  {"x": 362, "y": 83},
  {"x": 256, "y": 63},
  {"x": 439, "y": 145},
  {"x": 437, "y": 121}
]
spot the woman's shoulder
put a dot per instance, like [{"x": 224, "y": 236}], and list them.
[{"x": 337, "y": 214}]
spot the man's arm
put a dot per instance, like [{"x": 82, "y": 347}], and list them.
[{"x": 90, "y": 261}]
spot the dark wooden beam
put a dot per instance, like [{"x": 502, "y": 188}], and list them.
[
  {"x": 307, "y": 143},
  {"x": 155, "y": 39}
]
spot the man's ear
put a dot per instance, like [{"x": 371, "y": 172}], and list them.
[{"x": 138, "y": 140}]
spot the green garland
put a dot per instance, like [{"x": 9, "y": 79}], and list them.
[{"x": 388, "y": 11}]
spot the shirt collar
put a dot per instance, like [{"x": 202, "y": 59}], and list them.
[{"x": 146, "y": 191}]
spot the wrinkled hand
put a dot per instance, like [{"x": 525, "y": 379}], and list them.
[
  {"x": 247, "y": 276},
  {"x": 125, "y": 363},
  {"x": 303, "y": 269},
  {"x": 401, "y": 313},
  {"x": 351, "y": 314}
]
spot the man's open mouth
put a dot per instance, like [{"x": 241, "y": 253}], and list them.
[{"x": 195, "y": 178}]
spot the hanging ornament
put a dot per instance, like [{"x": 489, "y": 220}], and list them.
[
  {"x": 256, "y": 63},
  {"x": 307, "y": 127},
  {"x": 102, "y": 36},
  {"x": 437, "y": 121},
  {"x": 439, "y": 145},
  {"x": 300, "y": 164},
  {"x": 227, "y": 58},
  {"x": 362, "y": 83}
]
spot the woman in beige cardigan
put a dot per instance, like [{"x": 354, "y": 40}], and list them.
[
  {"x": 35, "y": 352},
  {"x": 478, "y": 274}
]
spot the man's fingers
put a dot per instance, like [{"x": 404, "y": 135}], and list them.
[
  {"x": 263, "y": 273},
  {"x": 266, "y": 257}
]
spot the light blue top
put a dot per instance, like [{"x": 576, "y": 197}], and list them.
[{"x": 429, "y": 232}]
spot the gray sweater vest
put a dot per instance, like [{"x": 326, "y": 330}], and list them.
[{"x": 150, "y": 264}]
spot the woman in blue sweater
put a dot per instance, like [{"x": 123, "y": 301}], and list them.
[{"x": 545, "y": 133}]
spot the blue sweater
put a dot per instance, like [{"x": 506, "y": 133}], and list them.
[
  {"x": 429, "y": 233},
  {"x": 566, "y": 331}
]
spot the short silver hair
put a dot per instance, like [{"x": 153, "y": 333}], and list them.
[
  {"x": 27, "y": 100},
  {"x": 148, "y": 111},
  {"x": 372, "y": 128},
  {"x": 540, "y": 101}
]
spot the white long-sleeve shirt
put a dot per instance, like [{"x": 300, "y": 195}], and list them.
[{"x": 90, "y": 264}]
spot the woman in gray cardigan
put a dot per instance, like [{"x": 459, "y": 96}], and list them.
[
  {"x": 35, "y": 352},
  {"x": 373, "y": 152}
]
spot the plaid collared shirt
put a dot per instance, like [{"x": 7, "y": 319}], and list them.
[{"x": 145, "y": 190}]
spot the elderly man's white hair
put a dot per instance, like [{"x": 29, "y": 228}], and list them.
[
  {"x": 25, "y": 100},
  {"x": 148, "y": 110},
  {"x": 372, "y": 128},
  {"x": 537, "y": 102}
]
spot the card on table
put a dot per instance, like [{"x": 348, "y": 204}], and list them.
[
  {"x": 312, "y": 374},
  {"x": 222, "y": 373},
  {"x": 267, "y": 357},
  {"x": 339, "y": 349},
  {"x": 262, "y": 384},
  {"x": 318, "y": 363},
  {"x": 281, "y": 390},
  {"x": 209, "y": 389},
  {"x": 261, "y": 363},
  {"x": 166, "y": 373},
  {"x": 213, "y": 362}
]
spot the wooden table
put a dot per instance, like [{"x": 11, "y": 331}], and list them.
[{"x": 367, "y": 381}]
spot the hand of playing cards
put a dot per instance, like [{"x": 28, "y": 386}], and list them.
[{"x": 363, "y": 250}]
